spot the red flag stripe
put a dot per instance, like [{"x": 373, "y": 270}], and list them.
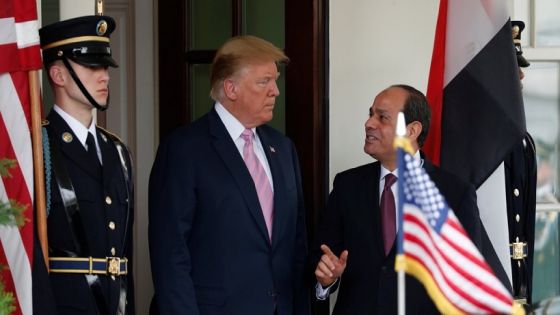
[
  {"x": 25, "y": 10},
  {"x": 471, "y": 257},
  {"x": 6, "y": 9},
  {"x": 435, "y": 86},
  {"x": 474, "y": 257}
]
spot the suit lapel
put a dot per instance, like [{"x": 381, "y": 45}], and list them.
[
  {"x": 372, "y": 186},
  {"x": 274, "y": 158},
  {"x": 70, "y": 146},
  {"x": 229, "y": 154}
]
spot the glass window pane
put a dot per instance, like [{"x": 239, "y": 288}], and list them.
[
  {"x": 546, "y": 262},
  {"x": 547, "y": 22},
  {"x": 200, "y": 90},
  {"x": 209, "y": 24},
  {"x": 522, "y": 9},
  {"x": 541, "y": 96},
  {"x": 265, "y": 19}
]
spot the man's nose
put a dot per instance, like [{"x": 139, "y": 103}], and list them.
[{"x": 275, "y": 90}]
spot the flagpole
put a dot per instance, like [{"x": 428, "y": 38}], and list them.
[
  {"x": 401, "y": 143},
  {"x": 38, "y": 170},
  {"x": 401, "y": 292},
  {"x": 98, "y": 7}
]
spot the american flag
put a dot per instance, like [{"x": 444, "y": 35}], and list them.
[
  {"x": 19, "y": 53},
  {"x": 435, "y": 248}
]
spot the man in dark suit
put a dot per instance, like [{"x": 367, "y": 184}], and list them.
[
  {"x": 349, "y": 252},
  {"x": 88, "y": 177},
  {"x": 226, "y": 212}
]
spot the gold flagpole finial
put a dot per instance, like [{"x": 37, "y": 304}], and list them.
[{"x": 98, "y": 7}]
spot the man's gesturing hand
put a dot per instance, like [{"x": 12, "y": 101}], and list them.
[{"x": 330, "y": 267}]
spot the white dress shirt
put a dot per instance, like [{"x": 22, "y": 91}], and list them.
[
  {"x": 235, "y": 128},
  {"x": 80, "y": 130}
]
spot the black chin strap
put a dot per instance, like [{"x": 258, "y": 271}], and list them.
[{"x": 83, "y": 88}]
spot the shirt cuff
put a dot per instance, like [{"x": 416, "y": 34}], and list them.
[{"x": 323, "y": 293}]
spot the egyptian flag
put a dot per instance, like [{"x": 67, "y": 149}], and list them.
[{"x": 477, "y": 107}]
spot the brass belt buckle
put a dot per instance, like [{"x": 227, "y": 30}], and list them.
[
  {"x": 521, "y": 301},
  {"x": 518, "y": 252},
  {"x": 113, "y": 266}
]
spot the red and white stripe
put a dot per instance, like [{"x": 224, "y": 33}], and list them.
[
  {"x": 454, "y": 263},
  {"x": 19, "y": 53}
]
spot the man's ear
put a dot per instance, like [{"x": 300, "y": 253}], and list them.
[
  {"x": 230, "y": 89},
  {"x": 413, "y": 130},
  {"x": 57, "y": 75}
]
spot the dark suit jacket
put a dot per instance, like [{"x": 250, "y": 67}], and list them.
[
  {"x": 209, "y": 246},
  {"x": 71, "y": 292},
  {"x": 352, "y": 221}
]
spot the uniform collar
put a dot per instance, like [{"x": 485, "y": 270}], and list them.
[{"x": 78, "y": 129}]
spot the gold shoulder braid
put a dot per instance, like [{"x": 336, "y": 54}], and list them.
[{"x": 111, "y": 135}]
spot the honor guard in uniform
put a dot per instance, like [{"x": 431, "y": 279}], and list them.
[
  {"x": 88, "y": 175},
  {"x": 521, "y": 176}
]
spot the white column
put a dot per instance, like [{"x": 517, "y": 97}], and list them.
[{"x": 73, "y": 8}]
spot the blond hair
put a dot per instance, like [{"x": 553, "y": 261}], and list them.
[{"x": 238, "y": 52}]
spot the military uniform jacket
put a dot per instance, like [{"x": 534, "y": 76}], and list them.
[
  {"x": 105, "y": 216},
  {"x": 521, "y": 177}
]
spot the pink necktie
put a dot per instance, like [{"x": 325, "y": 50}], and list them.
[
  {"x": 262, "y": 184},
  {"x": 388, "y": 215}
]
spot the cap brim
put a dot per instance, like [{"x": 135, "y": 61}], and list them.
[
  {"x": 95, "y": 61},
  {"x": 522, "y": 62}
]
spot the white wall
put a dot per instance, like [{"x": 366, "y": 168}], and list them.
[
  {"x": 146, "y": 131},
  {"x": 73, "y": 8},
  {"x": 373, "y": 44}
]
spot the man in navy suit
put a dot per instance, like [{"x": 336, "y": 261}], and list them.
[
  {"x": 349, "y": 252},
  {"x": 226, "y": 212}
]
